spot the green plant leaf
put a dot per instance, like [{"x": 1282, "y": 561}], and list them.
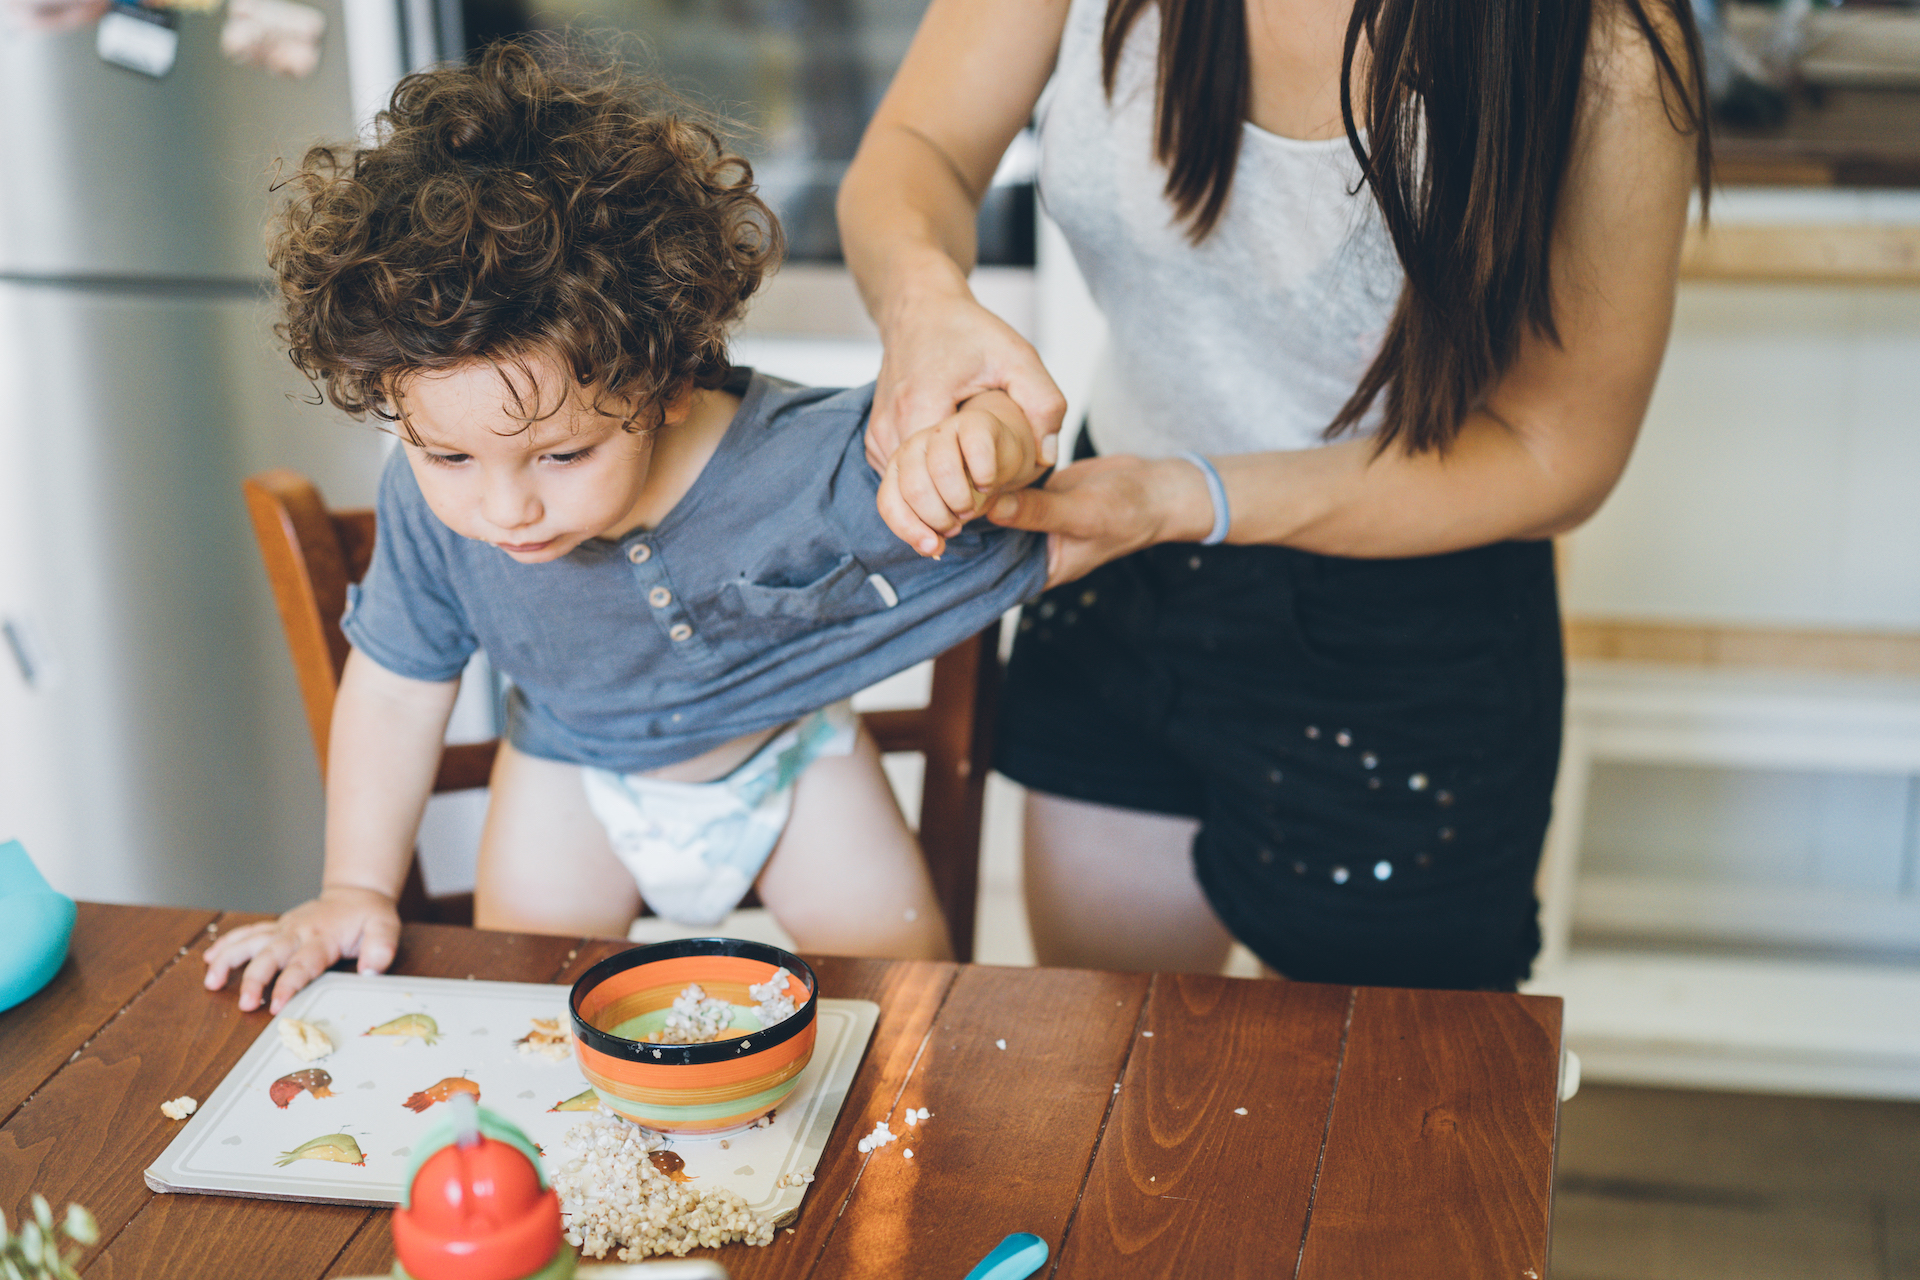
[
  {"x": 43, "y": 1214},
  {"x": 29, "y": 1244},
  {"x": 80, "y": 1226}
]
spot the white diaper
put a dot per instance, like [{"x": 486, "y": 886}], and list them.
[{"x": 695, "y": 848}]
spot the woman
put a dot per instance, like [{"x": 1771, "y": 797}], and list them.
[{"x": 1388, "y": 284}]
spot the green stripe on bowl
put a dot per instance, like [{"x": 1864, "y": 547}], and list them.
[{"x": 758, "y": 1103}]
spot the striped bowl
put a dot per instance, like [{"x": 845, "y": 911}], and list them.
[{"x": 694, "y": 1089}]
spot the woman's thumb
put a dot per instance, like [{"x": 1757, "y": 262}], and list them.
[{"x": 1026, "y": 509}]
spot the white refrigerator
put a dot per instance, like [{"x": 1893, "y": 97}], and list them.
[{"x": 151, "y": 741}]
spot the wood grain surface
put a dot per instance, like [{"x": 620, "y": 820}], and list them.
[
  {"x": 1012, "y": 1129},
  {"x": 1185, "y": 1185},
  {"x": 114, "y": 953},
  {"x": 1440, "y": 1146},
  {"x": 1387, "y": 1133}
]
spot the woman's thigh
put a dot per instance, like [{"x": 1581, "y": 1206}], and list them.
[
  {"x": 1113, "y": 888},
  {"x": 1368, "y": 746},
  {"x": 546, "y": 865}
]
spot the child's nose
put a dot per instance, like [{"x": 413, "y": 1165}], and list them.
[{"x": 509, "y": 504}]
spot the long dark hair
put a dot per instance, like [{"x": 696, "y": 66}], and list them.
[{"x": 1468, "y": 113}]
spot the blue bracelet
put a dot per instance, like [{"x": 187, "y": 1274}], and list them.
[{"x": 1216, "y": 491}]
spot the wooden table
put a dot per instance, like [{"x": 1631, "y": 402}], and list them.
[{"x": 1387, "y": 1133}]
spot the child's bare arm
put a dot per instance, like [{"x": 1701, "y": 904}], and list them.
[
  {"x": 381, "y": 756},
  {"x": 948, "y": 474}
]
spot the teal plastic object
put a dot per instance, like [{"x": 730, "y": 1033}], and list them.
[
  {"x": 35, "y": 924},
  {"x": 1015, "y": 1258}
]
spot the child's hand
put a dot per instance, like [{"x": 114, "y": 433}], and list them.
[
  {"x": 305, "y": 942},
  {"x": 950, "y": 473}
]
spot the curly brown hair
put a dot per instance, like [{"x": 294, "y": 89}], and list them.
[{"x": 542, "y": 200}]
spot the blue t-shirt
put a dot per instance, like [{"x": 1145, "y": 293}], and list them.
[{"x": 770, "y": 590}]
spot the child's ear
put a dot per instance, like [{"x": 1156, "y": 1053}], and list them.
[{"x": 675, "y": 409}]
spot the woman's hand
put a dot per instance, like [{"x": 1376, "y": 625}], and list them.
[
  {"x": 940, "y": 353},
  {"x": 1104, "y": 508},
  {"x": 909, "y": 208},
  {"x": 305, "y": 942},
  {"x": 948, "y": 474}
]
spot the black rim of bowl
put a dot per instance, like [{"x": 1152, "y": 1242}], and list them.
[{"x": 692, "y": 1054}]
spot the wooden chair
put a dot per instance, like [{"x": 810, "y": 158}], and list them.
[{"x": 312, "y": 554}]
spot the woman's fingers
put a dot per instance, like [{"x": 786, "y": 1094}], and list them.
[
  {"x": 901, "y": 410},
  {"x": 1038, "y": 396}
]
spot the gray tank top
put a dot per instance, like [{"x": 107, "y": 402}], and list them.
[{"x": 1250, "y": 340}]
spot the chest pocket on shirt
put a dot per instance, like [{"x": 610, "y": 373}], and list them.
[{"x": 755, "y": 615}]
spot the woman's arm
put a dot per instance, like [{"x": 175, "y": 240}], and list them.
[
  {"x": 1556, "y": 431},
  {"x": 382, "y": 753},
  {"x": 908, "y": 206}
]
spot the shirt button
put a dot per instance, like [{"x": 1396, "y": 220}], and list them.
[
  {"x": 640, "y": 553},
  {"x": 659, "y": 597},
  {"x": 677, "y": 632}
]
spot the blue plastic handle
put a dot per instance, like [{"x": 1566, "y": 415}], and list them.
[
  {"x": 1015, "y": 1258},
  {"x": 35, "y": 924}
]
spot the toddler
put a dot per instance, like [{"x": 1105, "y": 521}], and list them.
[{"x": 678, "y": 564}]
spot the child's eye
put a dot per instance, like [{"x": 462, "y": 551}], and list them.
[
  {"x": 564, "y": 458},
  {"x": 446, "y": 459}
]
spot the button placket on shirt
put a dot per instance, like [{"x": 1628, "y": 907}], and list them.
[{"x": 650, "y": 576}]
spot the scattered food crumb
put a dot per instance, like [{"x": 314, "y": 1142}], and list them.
[
  {"x": 907, "y": 1152},
  {"x": 179, "y": 1108},
  {"x": 1147, "y": 1034},
  {"x": 1152, "y": 1179},
  {"x": 304, "y": 1040},
  {"x": 547, "y": 1039},
  {"x": 1239, "y": 1111},
  {"x": 617, "y": 1200},
  {"x": 789, "y": 1230},
  {"x": 913, "y": 1117},
  {"x": 879, "y": 1138},
  {"x": 925, "y": 1114},
  {"x": 725, "y": 1145},
  {"x": 1001, "y": 1043}
]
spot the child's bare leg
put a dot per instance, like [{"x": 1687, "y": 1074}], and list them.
[
  {"x": 546, "y": 865},
  {"x": 847, "y": 877}
]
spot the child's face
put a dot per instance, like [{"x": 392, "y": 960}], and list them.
[{"x": 538, "y": 490}]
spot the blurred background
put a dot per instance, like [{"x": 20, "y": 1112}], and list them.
[{"x": 1733, "y": 885}]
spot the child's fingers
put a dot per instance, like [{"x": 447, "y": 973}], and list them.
[
  {"x": 928, "y": 471},
  {"x": 232, "y": 950},
  {"x": 997, "y": 453},
  {"x": 302, "y": 967},
  {"x": 949, "y": 498},
  {"x": 900, "y": 517},
  {"x": 265, "y": 963},
  {"x": 378, "y": 943}
]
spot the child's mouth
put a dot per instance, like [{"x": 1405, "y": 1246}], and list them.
[{"x": 523, "y": 548}]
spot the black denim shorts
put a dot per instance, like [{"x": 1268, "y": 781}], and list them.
[{"x": 1370, "y": 745}]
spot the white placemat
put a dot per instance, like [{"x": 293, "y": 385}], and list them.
[{"x": 239, "y": 1141}]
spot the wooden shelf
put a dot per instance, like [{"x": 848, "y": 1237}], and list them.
[{"x": 1884, "y": 254}]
